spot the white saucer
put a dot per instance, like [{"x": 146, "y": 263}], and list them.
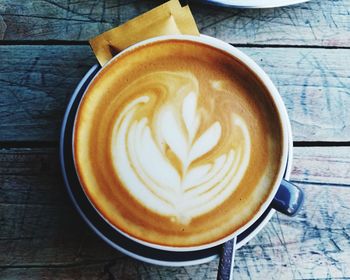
[{"x": 252, "y": 4}]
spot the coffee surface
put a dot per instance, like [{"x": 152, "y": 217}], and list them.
[{"x": 177, "y": 143}]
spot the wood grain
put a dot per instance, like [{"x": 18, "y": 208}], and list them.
[
  {"x": 45, "y": 238},
  {"x": 326, "y": 165},
  {"x": 37, "y": 81},
  {"x": 321, "y": 23},
  {"x": 41, "y": 234}
]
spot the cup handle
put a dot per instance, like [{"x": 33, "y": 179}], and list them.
[{"x": 288, "y": 199}]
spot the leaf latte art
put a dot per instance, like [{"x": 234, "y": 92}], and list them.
[{"x": 172, "y": 151}]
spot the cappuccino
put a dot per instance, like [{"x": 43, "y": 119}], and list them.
[{"x": 177, "y": 143}]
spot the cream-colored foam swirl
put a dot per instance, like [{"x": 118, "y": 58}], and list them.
[{"x": 169, "y": 154}]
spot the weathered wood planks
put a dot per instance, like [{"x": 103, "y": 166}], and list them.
[
  {"x": 322, "y": 165},
  {"x": 43, "y": 235},
  {"x": 37, "y": 81},
  {"x": 321, "y": 23}
]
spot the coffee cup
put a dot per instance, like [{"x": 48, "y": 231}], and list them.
[{"x": 180, "y": 143}]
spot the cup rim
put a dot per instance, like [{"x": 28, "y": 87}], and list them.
[{"x": 275, "y": 97}]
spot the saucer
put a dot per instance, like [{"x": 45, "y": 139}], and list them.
[
  {"x": 105, "y": 231},
  {"x": 252, "y": 4}
]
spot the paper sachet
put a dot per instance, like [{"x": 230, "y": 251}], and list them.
[{"x": 167, "y": 19}]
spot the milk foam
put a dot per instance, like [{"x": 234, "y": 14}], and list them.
[{"x": 166, "y": 159}]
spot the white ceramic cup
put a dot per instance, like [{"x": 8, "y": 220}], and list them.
[{"x": 284, "y": 197}]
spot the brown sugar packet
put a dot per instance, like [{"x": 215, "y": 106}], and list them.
[{"x": 167, "y": 19}]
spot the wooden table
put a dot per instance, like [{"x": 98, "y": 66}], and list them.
[{"x": 44, "y": 53}]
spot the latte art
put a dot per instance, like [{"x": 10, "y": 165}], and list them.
[
  {"x": 155, "y": 152},
  {"x": 177, "y": 143}
]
